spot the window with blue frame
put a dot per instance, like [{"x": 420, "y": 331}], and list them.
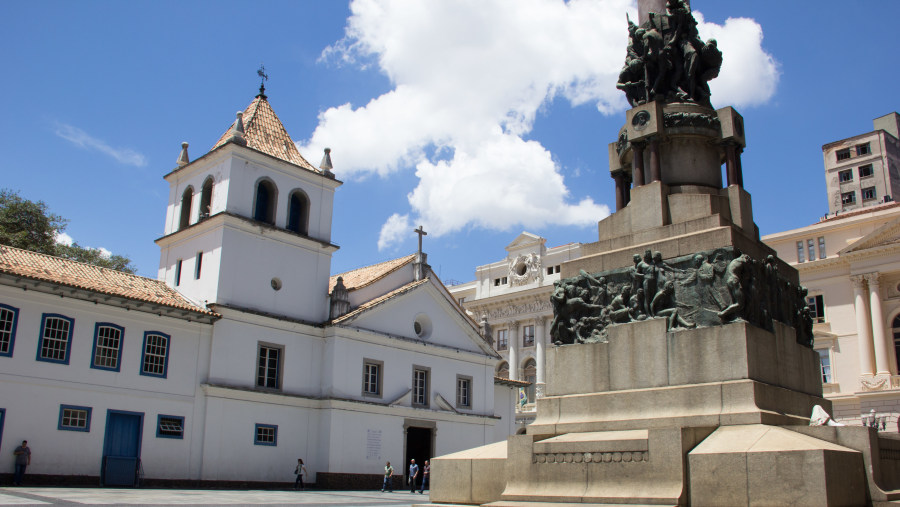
[
  {"x": 73, "y": 418},
  {"x": 8, "y": 318},
  {"x": 107, "y": 346},
  {"x": 155, "y": 357},
  {"x": 169, "y": 426},
  {"x": 266, "y": 434},
  {"x": 56, "y": 338}
]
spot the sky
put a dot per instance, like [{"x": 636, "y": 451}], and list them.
[{"x": 478, "y": 119}]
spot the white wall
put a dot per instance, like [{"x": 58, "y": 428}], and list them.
[{"x": 32, "y": 391}]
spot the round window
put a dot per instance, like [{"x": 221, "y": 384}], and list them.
[
  {"x": 422, "y": 326},
  {"x": 520, "y": 268},
  {"x": 276, "y": 284}
]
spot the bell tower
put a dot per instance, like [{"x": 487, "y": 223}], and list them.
[{"x": 248, "y": 224}]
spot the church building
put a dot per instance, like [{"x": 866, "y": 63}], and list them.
[{"x": 246, "y": 353}]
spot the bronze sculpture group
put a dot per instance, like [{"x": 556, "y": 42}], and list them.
[
  {"x": 666, "y": 59},
  {"x": 703, "y": 289}
]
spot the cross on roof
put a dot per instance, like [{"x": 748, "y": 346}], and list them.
[{"x": 421, "y": 232}]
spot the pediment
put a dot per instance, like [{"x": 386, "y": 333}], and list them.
[
  {"x": 427, "y": 303},
  {"x": 525, "y": 240},
  {"x": 886, "y": 235}
]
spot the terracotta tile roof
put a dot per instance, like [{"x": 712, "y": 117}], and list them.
[
  {"x": 264, "y": 132},
  {"x": 380, "y": 299},
  {"x": 47, "y": 268},
  {"x": 362, "y": 277}
]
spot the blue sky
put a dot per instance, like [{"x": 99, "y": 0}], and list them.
[{"x": 479, "y": 119}]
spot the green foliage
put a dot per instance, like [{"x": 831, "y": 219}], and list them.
[
  {"x": 95, "y": 256},
  {"x": 30, "y": 226}
]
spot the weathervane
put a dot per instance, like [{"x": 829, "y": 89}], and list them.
[{"x": 261, "y": 72}]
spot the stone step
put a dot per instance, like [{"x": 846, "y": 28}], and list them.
[
  {"x": 501, "y": 503},
  {"x": 595, "y": 442}
]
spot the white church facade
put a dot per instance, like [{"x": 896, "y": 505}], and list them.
[{"x": 245, "y": 354}]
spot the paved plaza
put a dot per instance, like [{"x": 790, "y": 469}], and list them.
[{"x": 98, "y": 496}]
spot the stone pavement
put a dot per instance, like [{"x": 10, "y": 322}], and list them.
[{"x": 105, "y": 496}]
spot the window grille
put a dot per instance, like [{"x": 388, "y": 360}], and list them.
[
  {"x": 73, "y": 418},
  {"x": 420, "y": 387},
  {"x": 8, "y": 317},
  {"x": 170, "y": 426},
  {"x": 55, "y": 339},
  {"x": 268, "y": 367},
  {"x": 107, "y": 346},
  {"x": 156, "y": 350},
  {"x": 370, "y": 379},
  {"x": 266, "y": 434},
  {"x": 463, "y": 390}
]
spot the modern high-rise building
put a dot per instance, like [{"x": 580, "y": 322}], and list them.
[{"x": 864, "y": 170}]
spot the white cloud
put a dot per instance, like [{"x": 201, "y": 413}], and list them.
[
  {"x": 749, "y": 75},
  {"x": 469, "y": 78},
  {"x": 396, "y": 227},
  {"x": 82, "y": 139},
  {"x": 64, "y": 239}
]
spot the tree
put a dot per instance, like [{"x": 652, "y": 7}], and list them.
[
  {"x": 95, "y": 256},
  {"x": 30, "y": 225},
  {"x": 27, "y": 224}
]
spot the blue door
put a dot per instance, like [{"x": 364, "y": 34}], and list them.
[{"x": 121, "y": 448}]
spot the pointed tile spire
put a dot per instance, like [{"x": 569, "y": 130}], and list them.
[
  {"x": 263, "y": 131},
  {"x": 183, "y": 158}
]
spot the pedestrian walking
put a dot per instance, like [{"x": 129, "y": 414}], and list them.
[
  {"x": 426, "y": 474},
  {"x": 388, "y": 483},
  {"x": 300, "y": 471},
  {"x": 413, "y": 473}
]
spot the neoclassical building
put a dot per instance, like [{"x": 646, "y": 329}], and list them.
[
  {"x": 512, "y": 297},
  {"x": 850, "y": 263}
]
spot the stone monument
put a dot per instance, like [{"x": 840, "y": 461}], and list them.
[{"x": 684, "y": 372}]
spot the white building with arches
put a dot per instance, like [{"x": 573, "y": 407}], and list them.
[
  {"x": 512, "y": 296},
  {"x": 850, "y": 263},
  {"x": 246, "y": 353}
]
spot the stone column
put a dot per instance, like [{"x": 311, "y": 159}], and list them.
[
  {"x": 620, "y": 190},
  {"x": 539, "y": 340},
  {"x": 730, "y": 164},
  {"x": 637, "y": 152},
  {"x": 513, "y": 350},
  {"x": 739, "y": 171},
  {"x": 655, "y": 171},
  {"x": 863, "y": 335},
  {"x": 882, "y": 357}
]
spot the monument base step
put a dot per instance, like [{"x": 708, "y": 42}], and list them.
[{"x": 555, "y": 504}]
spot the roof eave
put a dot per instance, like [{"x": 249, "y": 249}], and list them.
[{"x": 101, "y": 297}]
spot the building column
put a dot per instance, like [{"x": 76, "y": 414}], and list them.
[
  {"x": 539, "y": 340},
  {"x": 882, "y": 357},
  {"x": 730, "y": 164},
  {"x": 513, "y": 350},
  {"x": 637, "y": 152},
  {"x": 863, "y": 335},
  {"x": 655, "y": 171},
  {"x": 619, "y": 178}
]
